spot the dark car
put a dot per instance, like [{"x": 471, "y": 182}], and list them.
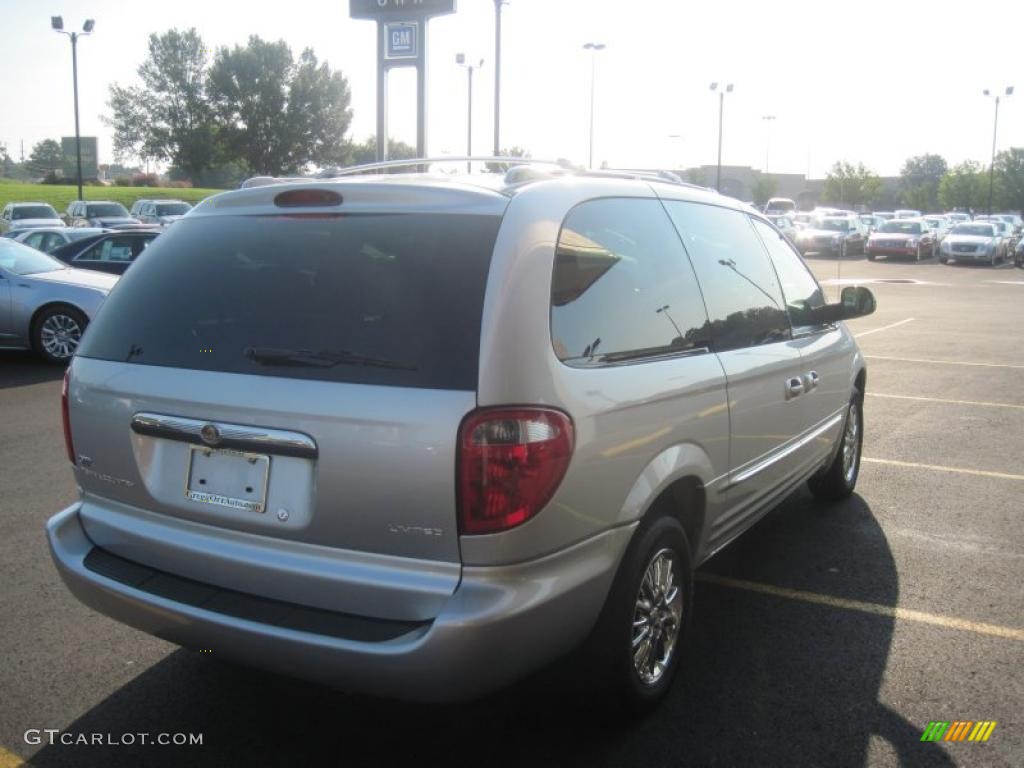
[
  {"x": 111, "y": 252},
  {"x": 902, "y": 237},
  {"x": 102, "y": 213}
]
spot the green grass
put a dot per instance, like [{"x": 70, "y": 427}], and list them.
[{"x": 60, "y": 196}]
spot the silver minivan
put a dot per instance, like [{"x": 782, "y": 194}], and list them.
[{"x": 419, "y": 436}]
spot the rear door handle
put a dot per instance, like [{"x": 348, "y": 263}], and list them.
[
  {"x": 812, "y": 380},
  {"x": 794, "y": 387}
]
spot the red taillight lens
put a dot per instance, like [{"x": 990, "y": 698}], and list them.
[
  {"x": 510, "y": 464},
  {"x": 70, "y": 446}
]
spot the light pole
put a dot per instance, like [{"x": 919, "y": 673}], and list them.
[
  {"x": 768, "y": 120},
  {"x": 57, "y": 24},
  {"x": 995, "y": 128},
  {"x": 593, "y": 48},
  {"x": 721, "y": 109},
  {"x": 497, "y": 76},
  {"x": 460, "y": 59}
]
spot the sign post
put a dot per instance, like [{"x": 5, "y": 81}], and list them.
[{"x": 401, "y": 42}]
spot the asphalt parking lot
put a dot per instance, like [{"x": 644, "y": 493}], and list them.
[{"x": 826, "y": 636}]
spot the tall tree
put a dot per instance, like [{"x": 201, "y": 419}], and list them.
[
  {"x": 1009, "y": 170},
  {"x": 848, "y": 184},
  {"x": 920, "y": 178},
  {"x": 279, "y": 115},
  {"x": 47, "y": 156},
  {"x": 168, "y": 117},
  {"x": 964, "y": 186}
]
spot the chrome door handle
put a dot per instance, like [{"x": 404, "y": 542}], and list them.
[
  {"x": 812, "y": 380},
  {"x": 794, "y": 387}
]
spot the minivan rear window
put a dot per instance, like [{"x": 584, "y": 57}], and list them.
[{"x": 389, "y": 299}]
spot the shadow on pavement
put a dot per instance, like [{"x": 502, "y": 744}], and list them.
[
  {"x": 765, "y": 681},
  {"x": 21, "y": 368}
]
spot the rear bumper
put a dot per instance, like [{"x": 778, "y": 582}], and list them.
[{"x": 500, "y": 624}]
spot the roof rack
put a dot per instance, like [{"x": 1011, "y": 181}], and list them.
[{"x": 517, "y": 170}]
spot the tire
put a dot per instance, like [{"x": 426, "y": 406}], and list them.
[
  {"x": 934, "y": 251},
  {"x": 943, "y": 260},
  {"x": 56, "y": 332},
  {"x": 872, "y": 257},
  {"x": 610, "y": 656},
  {"x": 917, "y": 255},
  {"x": 838, "y": 479}
]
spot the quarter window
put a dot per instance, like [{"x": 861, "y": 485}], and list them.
[
  {"x": 800, "y": 289},
  {"x": 742, "y": 292},
  {"x": 622, "y": 287}
]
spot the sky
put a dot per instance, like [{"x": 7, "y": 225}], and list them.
[{"x": 872, "y": 82}]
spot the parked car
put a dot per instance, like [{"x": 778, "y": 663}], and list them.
[
  {"x": 834, "y": 235},
  {"x": 48, "y": 239},
  {"x": 1018, "y": 253},
  {"x": 1003, "y": 229},
  {"x": 45, "y": 305},
  {"x": 99, "y": 214},
  {"x": 958, "y": 217},
  {"x": 780, "y": 206},
  {"x": 163, "y": 213},
  {"x": 871, "y": 221},
  {"x": 136, "y": 208},
  {"x": 887, "y": 215},
  {"x": 939, "y": 225},
  {"x": 17, "y": 216},
  {"x": 785, "y": 225},
  {"x": 236, "y": 414},
  {"x": 802, "y": 219},
  {"x": 111, "y": 252},
  {"x": 1014, "y": 220},
  {"x": 975, "y": 241},
  {"x": 906, "y": 213},
  {"x": 902, "y": 237}
]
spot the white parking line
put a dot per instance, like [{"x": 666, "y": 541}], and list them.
[
  {"x": 942, "y": 362},
  {"x": 944, "y": 400},
  {"x": 937, "y": 468},
  {"x": 883, "y": 328},
  {"x": 887, "y": 611}
]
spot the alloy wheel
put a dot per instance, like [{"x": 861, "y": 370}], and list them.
[
  {"x": 657, "y": 617},
  {"x": 60, "y": 335}
]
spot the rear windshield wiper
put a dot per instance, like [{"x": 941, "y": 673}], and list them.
[{"x": 320, "y": 358}]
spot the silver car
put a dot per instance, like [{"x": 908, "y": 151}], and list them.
[
  {"x": 975, "y": 241},
  {"x": 17, "y": 216},
  {"x": 48, "y": 239},
  {"x": 44, "y": 304},
  {"x": 418, "y": 436}
]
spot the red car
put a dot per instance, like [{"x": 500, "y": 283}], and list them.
[{"x": 902, "y": 237}]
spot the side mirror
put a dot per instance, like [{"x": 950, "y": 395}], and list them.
[{"x": 855, "y": 301}]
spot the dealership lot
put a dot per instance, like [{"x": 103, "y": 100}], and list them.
[{"x": 827, "y": 638}]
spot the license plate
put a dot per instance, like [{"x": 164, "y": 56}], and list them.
[{"x": 227, "y": 478}]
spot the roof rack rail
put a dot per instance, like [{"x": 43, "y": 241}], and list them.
[{"x": 517, "y": 170}]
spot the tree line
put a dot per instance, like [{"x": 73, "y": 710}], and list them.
[{"x": 927, "y": 183}]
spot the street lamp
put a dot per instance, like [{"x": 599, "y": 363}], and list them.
[
  {"x": 721, "y": 108},
  {"x": 593, "y": 48},
  {"x": 497, "y": 75},
  {"x": 768, "y": 120},
  {"x": 57, "y": 24},
  {"x": 460, "y": 59},
  {"x": 995, "y": 127}
]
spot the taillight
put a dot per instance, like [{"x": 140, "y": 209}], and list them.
[
  {"x": 70, "y": 446},
  {"x": 509, "y": 465}
]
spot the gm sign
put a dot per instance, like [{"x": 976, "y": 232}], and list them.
[{"x": 401, "y": 40}]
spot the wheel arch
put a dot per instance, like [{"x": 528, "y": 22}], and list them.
[{"x": 37, "y": 313}]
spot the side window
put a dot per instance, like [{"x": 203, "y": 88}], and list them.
[
  {"x": 800, "y": 289},
  {"x": 740, "y": 287},
  {"x": 34, "y": 240},
  {"x": 622, "y": 287},
  {"x": 53, "y": 242},
  {"x": 113, "y": 249}
]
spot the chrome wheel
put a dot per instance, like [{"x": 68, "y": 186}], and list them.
[
  {"x": 59, "y": 336},
  {"x": 851, "y": 443},
  {"x": 657, "y": 617}
]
